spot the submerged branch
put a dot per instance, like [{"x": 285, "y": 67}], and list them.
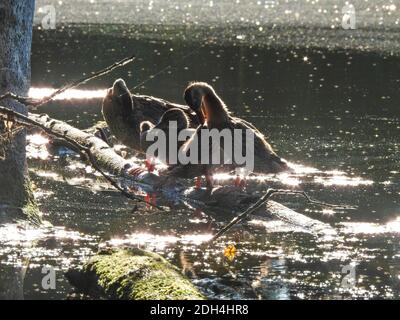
[
  {"x": 263, "y": 200},
  {"x": 24, "y": 100}
]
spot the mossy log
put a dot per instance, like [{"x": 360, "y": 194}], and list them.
[{"x": 132, "y": 274}]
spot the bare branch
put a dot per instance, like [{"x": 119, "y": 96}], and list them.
[
  {"x": 24, "y": 100},
  {"x": 37, "y": 103}
]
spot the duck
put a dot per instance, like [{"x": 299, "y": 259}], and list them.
[
  {"x": 173, "y": 117},
  {"x": 117, "y": 110},
  {"x": 197, "y": 170},
  {"x": 192, "y": 170},
  {"x": 124, "y": 112},
  {"x": 214, "y": 113},
  {"x": 193, "y": 100}
]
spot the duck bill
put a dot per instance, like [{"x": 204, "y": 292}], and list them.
[
  {"x": 121, "y": 92},
  {"x": 120, "y": 88},
  {"x": 201, "y": 114}
]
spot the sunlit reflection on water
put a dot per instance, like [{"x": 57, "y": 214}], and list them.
[
  {"x": 23, "y": 244},
  {"x": 37, "y": 139},
  {"x": 371, "y": 228},
  {"x": 328, "y": 212},
  {"x": 302, "y": 169},
  {"x": 342, "y": 180},
  {"x": 158, "y": 241},
  {"x": 23, "y": 234},
  {"x": 71, "y": 94},
  {"x": 302, "y": 174},
  {"x": 276, "y": 226},
  {"x": 12, "y": 233},
  {"x": 36, "y": 147}
]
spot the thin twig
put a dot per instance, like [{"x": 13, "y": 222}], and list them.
[
  {"x": 152, "y": 77},
  {"x": 26, "y": 121},
  {"x": 37, "y": 103},
  {"x": 24, "y": 100},
  {"x": 260, "y": 202}
]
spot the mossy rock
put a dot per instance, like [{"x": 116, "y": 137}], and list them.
[{"x": 132, "y": 274}]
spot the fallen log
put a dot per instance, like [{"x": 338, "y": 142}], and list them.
[
  {"x": 221, "y": 199},
  {"x": 132, "y": 274},
  {"x": 102, "y": 152}
]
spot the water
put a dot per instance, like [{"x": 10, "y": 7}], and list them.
[
  {"x": 295, "y": 23},
  {"x": 333, "y": 112}
]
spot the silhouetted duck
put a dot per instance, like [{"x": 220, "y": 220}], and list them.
[
  {"x": 174, "y": 119},
  {"x": 204, "y": 101},
  {"x": 193, "y": 96},
  {"x": 192, "y": 170},
  {"x": 117, "y": 111},
  {"x": 124, "y": 114},
  {"x": 189, "y": 171}
]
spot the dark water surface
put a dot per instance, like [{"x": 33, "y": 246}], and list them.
[{"x": 334, "y": 113}]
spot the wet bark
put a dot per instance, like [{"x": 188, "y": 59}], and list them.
[{"x": 16, "y": 19}]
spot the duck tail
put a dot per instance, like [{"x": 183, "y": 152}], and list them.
[{"x": 279, "y": 164}]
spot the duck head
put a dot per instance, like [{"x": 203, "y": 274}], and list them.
[
  {"x": 174, "y": 114},
  {"x": 118, "y": 99},
  {"x": 203, "y": 100},
  {"x": 145, "y": 126},
  {"x": 194, "y": 95}
]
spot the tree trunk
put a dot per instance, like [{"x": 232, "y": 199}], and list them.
[{"x": 16, "y": 18}]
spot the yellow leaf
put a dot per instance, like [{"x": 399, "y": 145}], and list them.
[{"x": 230, "y": 252}]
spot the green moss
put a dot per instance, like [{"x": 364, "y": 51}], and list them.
[
  {"x": 135, "y": 274},
  {"x": 31, "y": 209}
]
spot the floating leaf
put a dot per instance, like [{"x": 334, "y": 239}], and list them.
[{"x": 230, "y": 252}]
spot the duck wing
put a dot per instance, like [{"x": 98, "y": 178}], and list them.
[
  {"x": 265, "y": 158},
  {"x": 150, "y": 108},
  {"x": 245, "y": 122}
]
